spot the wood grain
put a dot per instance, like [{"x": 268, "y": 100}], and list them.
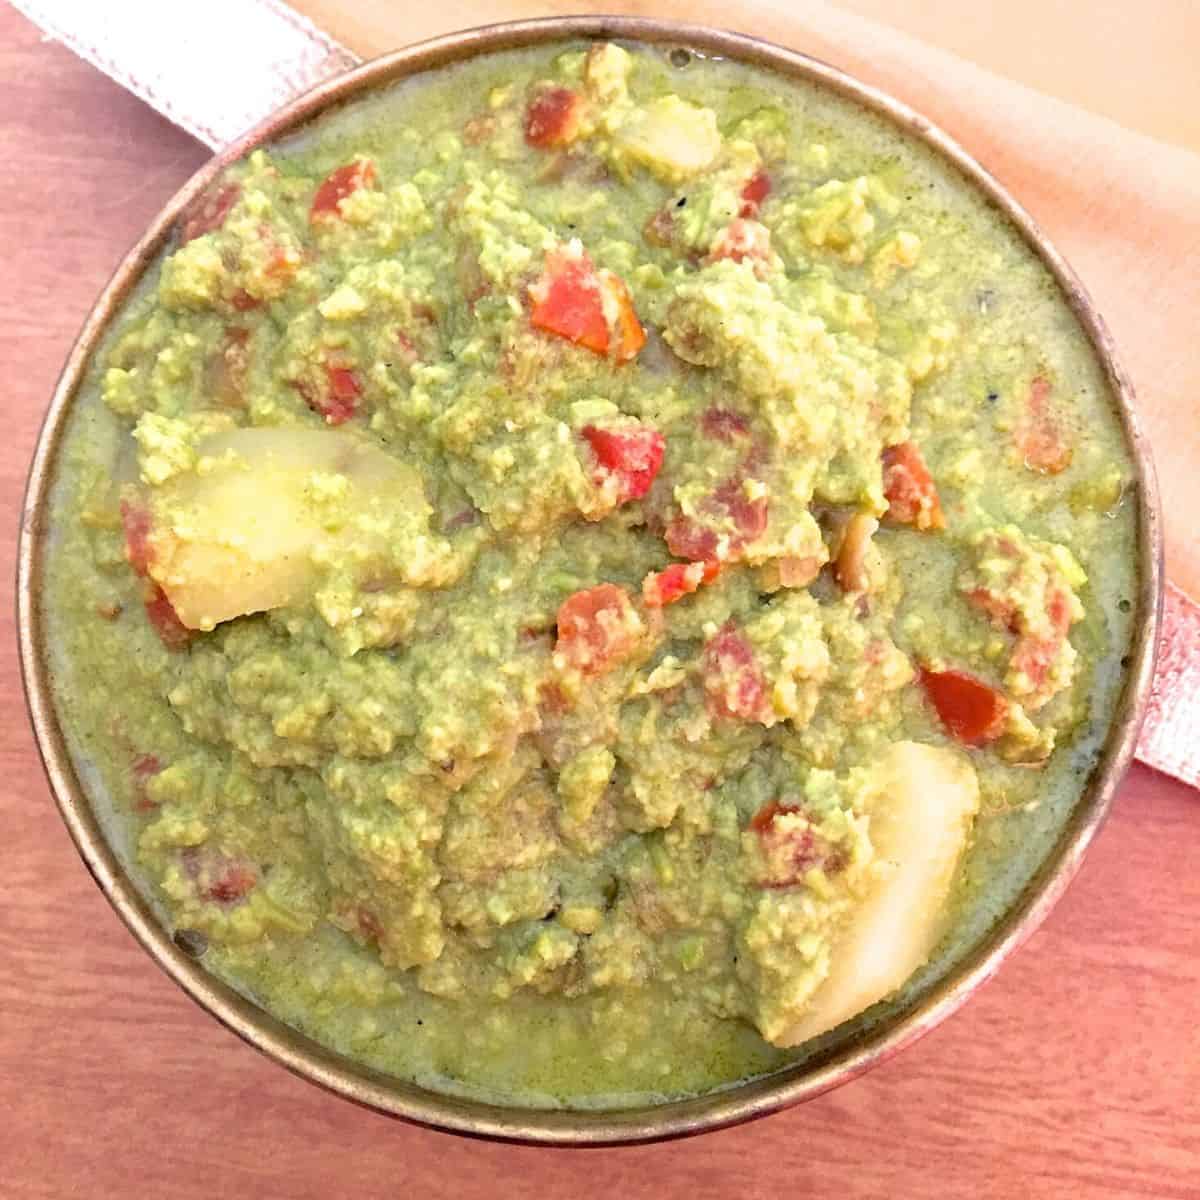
[{"x": 1075, "y": 1073}]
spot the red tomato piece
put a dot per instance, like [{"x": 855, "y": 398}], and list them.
[
  {"x": 568, "y": 300},
  {"x": 208, "y": 211},
  {"x": 135, "y": 519},
  {"x": 911, "y": 493},
  {"x": 733, "y": 679},
  {"x": 742, "y": 241},
  {"x": 597, "y": 627},
  {"x": 692, "y": 537},
  {"x": 243, "y": 301},
  {"x": 972, "y": 711},
  {"x": 757, "y": 189},
  {"x": 724, "y": 424},
  {"x": 338, "y": 184},
  {"x": 672, "y": 583},
  {"x": 789, "y": 850},
  {"x": 553, "y": 117},
  {"x": 144, "y": 768},
  {"x": 232, "y": 884},
  {"x": 1033, "y": 657},
  {"x": 629, "y": 334},
  {"x": 1039, "y": 435},
  {"x": 1002, "y": 612},
  {"x": 633, "y": 455},
  {"x": 749, "y": 516},
  {"x": 174, "y": 633},
  {"x": 338, "y": 401}
]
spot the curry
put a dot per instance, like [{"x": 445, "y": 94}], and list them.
[{"x": 586, "y": 571}]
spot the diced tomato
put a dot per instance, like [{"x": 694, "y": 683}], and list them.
[
  {"x": 1058, "y": 608},
  {"x": 553, "y": 118},
  {"x": 1039, "y": 435},
  {"x": 733, "y": 679},
  {"x": 629, "y": 335},
  {"x": 568, "y": 300},
  {"x": 659, "y": 229},
  {"x": 749, "y": 516},
  {"x": 597, "y": 628},
  {"x": 234, "y": 883},
  {"x": 911, "y": 493},
  {"x": 368, "y": 924},
  {"x": 688, "y": 538},
  {"x": 338, "y": 400},
  {"x": 972, "y": 711},
  {"x": 243, "y": 301},
  {"x": 693, "y": 538},
  {"x": 790, "y": 850},
  {"x": 724, "y": 424},
  {"x": 135, "y": 519},
  {"x": 338, "y": 184},
  {"x": 742, "y": 241},
  {"x": 1033, "y": 657},
  {"x": 174, "y": 633},
  {"x": 757, "y": 189},
  {"x": 208, "y": 211},
  {"x": 633, "y": 455},
  {"x": 144, "y": 768},
  {"x": 672, "y": 583},
  {"x": 1000, "y": 610}
]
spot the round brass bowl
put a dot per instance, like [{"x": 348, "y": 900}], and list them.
[{"x": 843, "y": 1059}]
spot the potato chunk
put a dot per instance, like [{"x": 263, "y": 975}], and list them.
[
  {"x": 670, "y": 137},
  {"x": 924, "y": 801},
  {"x": 247, "y": 529}
]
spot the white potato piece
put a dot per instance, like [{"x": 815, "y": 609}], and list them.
[
  {"x": 241, "y": 534},
  {"x": 671, "y": 137},
  {"x": 921, "y": 816}
]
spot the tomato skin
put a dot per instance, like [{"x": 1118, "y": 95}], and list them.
[
  {"x": 553, "y": 117},
  {"x": 144, "y": 768},
  {"x": 208, "y": 211},
  {"x": 972, "y": 711},
  {"x": 173, "y": 633},
  {"x": 724, "y": 424},
  {"x": 634, "y": 456},
  {"x": 235, "y": 883},
  {"x": 790, "y": 852},
  {"x": 136, "y": 522},
  {"x": 672, "y": 583},
  {"x": 743, "y": 241},
  {"x": 1039, "y": 436},
  {"x": 693, "y": 538},
  {"x": 597, "y": 628},
  {"x": 911, "y": 493},
  {"x": 756, "y": 190},
  {"x": 732, "y": 678},
  {"x": 568, "y": 300},
  {"x": 337, "y": 402},
  {"x": 337, "y": 185}
]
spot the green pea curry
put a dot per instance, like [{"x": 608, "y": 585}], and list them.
[{"x": 583, "y": 572}]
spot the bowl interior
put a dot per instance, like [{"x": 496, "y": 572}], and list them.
[{"x": 841, "y": 1056}]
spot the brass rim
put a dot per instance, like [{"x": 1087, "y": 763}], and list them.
[{"x": 841, "y": 1062}]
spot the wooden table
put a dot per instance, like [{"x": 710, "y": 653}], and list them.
[{"x": 1075, "y": 1073}]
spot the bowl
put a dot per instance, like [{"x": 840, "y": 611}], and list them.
[{"x": 844, "y": 1057}]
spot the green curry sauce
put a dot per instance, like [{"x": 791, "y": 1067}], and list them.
[{"x": 507, "y": 532}]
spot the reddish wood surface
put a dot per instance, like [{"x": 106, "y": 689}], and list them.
[{"x": 1075, "y": 1073}]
